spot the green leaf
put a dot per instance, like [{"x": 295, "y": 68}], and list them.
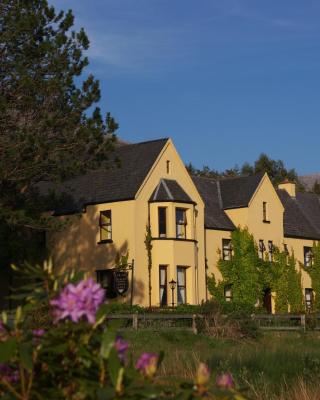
[
  {"x": 7, "y": 349},
  {"x": 107, "y": 342},
  {"x": 114, "y": 365},
  {"x": 105, "y": 393},
  {"x": 25, "y": 352},
  {"x": 101, "y": 314}
]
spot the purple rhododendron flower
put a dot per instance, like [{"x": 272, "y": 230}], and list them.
[
  {"x": 38, "y": 332},
  {"x": 79, "y": 300},
  {"x": 121, "y": 346},
  {"x": 147, "y": 364},
  {"x": 225, "y": 381},
  {"x": 8, "y": 374}
]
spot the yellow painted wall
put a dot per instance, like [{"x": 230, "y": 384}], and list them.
[
  {"x": 262, "y": 230},
  {"x": 77, "y": 245},
  {"x": 179, "y": 252}
]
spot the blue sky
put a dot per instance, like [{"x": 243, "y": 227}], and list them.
[{"x": 226, "y": 80}]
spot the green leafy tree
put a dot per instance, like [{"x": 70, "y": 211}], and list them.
[
  {"x": 49, "y": 129},
  {"x": 274, "y": 168}
]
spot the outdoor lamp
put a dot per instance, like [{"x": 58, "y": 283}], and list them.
[{"x": 172, "y": 284}]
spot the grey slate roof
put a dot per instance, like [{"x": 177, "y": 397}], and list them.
[
  {"x": 237, "y": 192},
  {"x": 301, "y": 215},
  {"x": 215, "y": 217},
  {"x": 113, "y": 184},
  {"x": 170, "y": 190}
]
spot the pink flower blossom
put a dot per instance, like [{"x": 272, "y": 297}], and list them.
[
  {"x": 78, "y": 300},
  {"x": 225, "y": 381},
  {"x": 38, "y": 332},
  {"x": 147, "y": 364}
]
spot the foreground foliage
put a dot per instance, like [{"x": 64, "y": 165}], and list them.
[{"x": 74, "y": 355}]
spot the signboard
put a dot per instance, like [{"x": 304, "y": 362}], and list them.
[{"x": 121, "y": 282}]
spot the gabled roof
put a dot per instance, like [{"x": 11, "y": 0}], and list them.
[
  {"x": 170, "y": 190},
  {"x": 301, "y": 215},
  {"x": 119, "y": 182},
  {"x": 237, "y": 192},
  {"x": 215, "y": 217}
]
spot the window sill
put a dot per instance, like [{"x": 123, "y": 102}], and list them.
[
  {"x": 175, "y": 239},
  {"x": 266, "y": 221},
  {"x": 105, "y": 241}
]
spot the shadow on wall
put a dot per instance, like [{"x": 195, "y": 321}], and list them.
[{"x": 76, "y": 247}]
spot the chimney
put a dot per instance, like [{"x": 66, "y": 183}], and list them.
[{"x": 290, "y": 187}]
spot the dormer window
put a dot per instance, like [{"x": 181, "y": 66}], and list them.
[
  {"x": 262, "y": 249},
  {"x": 308, "y": 256},
  {"x": 181, "y": 223},
  {"x": 265, "y": 212},
  {"x": 226, "y": 249}
]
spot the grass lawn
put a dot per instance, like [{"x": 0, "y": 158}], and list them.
[{"x": 269, "y": 366}]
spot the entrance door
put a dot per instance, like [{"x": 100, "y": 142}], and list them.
[{"x": 267, "y": 301}]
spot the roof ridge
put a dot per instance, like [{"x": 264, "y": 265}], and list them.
[
  {"x": 167, "y": 189},
  {"x": 149, "y": 141},
  {"x": 219, "y": 194},
  {"x": 229, "y": 178}
]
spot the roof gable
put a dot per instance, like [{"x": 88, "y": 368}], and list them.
[
  {"x": 119, "y": 182},
  {"x": 237, "y": 192}
]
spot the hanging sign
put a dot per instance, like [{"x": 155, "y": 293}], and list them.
[{"x": 121, "y": 282}]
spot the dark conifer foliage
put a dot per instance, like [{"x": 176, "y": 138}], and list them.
[
  {"x": 49, "y": 128},
  {"x": 46, "y": 132}
]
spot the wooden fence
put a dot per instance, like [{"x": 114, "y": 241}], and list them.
[{"x": 267, "y": 322}]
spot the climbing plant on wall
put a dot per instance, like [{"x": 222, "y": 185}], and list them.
[
  {"x": 314, "y": 272},
  {"x": 287, "y": 283},
  {"x": 249, "y": 276},
  {"x": 240, "y": 272},
  {"x": 148, "y": 245}
]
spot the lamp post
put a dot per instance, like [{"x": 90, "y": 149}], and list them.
[{"x": 172, "y": 284}]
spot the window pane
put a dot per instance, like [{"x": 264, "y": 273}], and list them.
[
  {"x": 226, "y": 249},
  {"x": 105, "y": 233},
  {"x": 181, "y": 295},
  {"x": 162, "y": 276},
  {"x": 180, "y": 216},
  {"x": 105, "y": 225},
  {"x": 162, "y": 215},
  {"x": 181, "y": 277},
  {"x": 181, "y": 285},
  {"x": 105, "y": 217},
  {"x": 163, "y": 285}
]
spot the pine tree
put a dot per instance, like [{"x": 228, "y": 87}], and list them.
[{"x": 46, "y": 130}]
